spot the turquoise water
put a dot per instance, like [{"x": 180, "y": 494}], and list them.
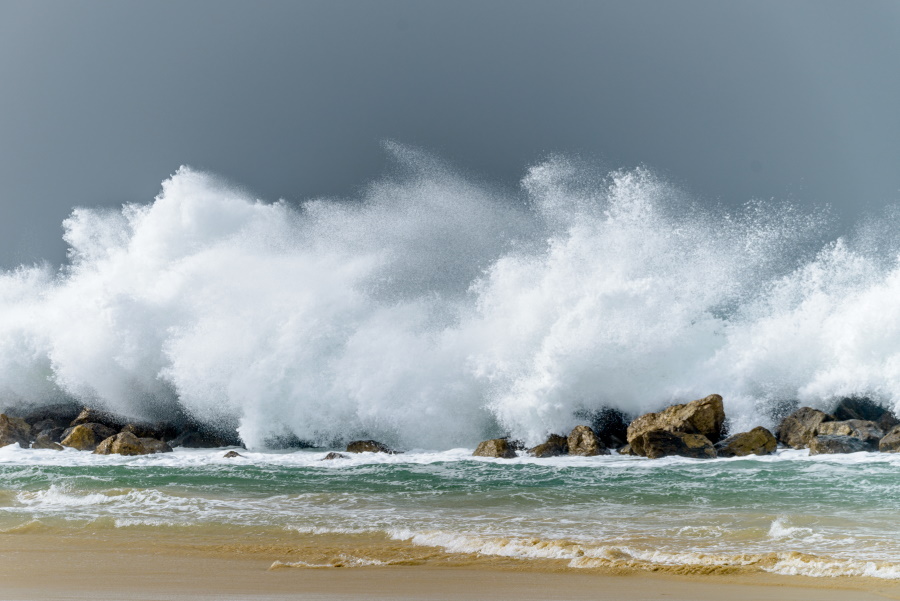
[{"x": 788, "y": 513}]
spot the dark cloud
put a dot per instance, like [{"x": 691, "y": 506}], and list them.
[{"x": 102, "y": 100}]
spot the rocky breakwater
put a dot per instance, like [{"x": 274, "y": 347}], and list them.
[
  {"x": 89, "y": 429},
  {"x": 688, "y": 430},
  {"x": 865, "y": 426}
]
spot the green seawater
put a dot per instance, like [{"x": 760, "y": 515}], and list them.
[{"x": 842, "y": 510}]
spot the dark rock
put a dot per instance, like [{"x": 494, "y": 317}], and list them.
[
  {"x": 662, "y": 443},
  {"x": 866, "y": 431},
  {"x": 705, "y": 417},
  {"x": 758, "y": 441},
  {"x": 498, "y": 447},
  {"x": 54, "y": 434},
  {"x": 797, "y": 429},
  {"x": 160, "y": 430},
  {"x": 58, "y": 415},
  {"x": 369, "y": 446},
  {"x": 583, "y": 441},
  {"x": 232, "y": 455},
  {"x": 555, "y": 446},
  {"x": 194, "y": 439},
  {"x": 287, "y": 441},
  {"x": 866, "y": 410},
  {"x": 832, "y": 444},
  {"x": 43, "y": 441},
  {"x": 890, "y": 443},
  {"x": 610, "y": 425},
  {"x": 86, "y": 437},
  {"x": 96, "y": 416},
  {"x": 332, "y": 456},
  {"x": 126, "y": 443},
  {"x": 14, "y": 430}
]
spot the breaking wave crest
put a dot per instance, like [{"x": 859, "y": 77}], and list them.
[{"x": 436, "y": 310}]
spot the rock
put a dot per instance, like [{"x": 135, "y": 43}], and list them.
[
  {"x": 890, "y": 443},
  {"x": 662, "y": 443},
  {"x": 704, "y": 416},
  {"x": 82, "y": 437},
  {"x": 610, "y": 425},
  {"x": 160, "y": 430},
  {"x": 369, "y": 446},
  {"x": 797, "y": 429},
  {"x": 232, "y": 455},
  {"x": 14, "y": 430},
  {"x": 43, "y": 441},
  {"x": 830, "y": 444},
  {"x": 126, "y": 443},
  {"x": 866, "y": 431},
  {"x": 583, "y": 441},
  {"x": 59, "y": 415},
  {"x": 866, "y": 410},
  {"x": 96, "y": 416},
  {"x": 555, "y": 446},
  {"x": 195, "y": 439},
  {"x": 332, "y": 456},
  {"x": 54, "y": 434},
  {"x": 498, "y": 447},
  {"x": 758, "y": 441},
  {"x": 627, "y": 450},
  {"x": 100, "y": 431}
]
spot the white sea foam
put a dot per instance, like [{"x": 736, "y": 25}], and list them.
[{"x": 435, "y": 310}]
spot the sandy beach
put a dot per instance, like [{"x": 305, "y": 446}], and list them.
[{"x": 142, "y": 567}]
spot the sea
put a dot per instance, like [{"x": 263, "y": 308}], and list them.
[{"x": 434, "y": 310}]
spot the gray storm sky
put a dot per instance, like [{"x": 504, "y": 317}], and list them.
[{"x": 100, "y": 101}]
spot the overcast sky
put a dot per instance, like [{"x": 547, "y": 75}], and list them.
[{"x": 100, "y": 101}]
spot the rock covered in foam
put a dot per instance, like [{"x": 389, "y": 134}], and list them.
[
  {"x": 496, "y": 447},
  {"x": 554, "y": 446},
  {"x": 758, "y": 441},
  {"x": 583, "y": 441},
  {"x": 705, "y": 417},
  {"x": 232, "y": 455},
  {"x": 332, "y": 456},
  {"x": 799, "y": 428},
  {"x": 866, "y": 431},
  {"x": 369, "y": 446},
  {"x": 14, "y": 430},
  {"x": 828, "y": 444},
  {"x": 663, "y": 443},
  {"x": 126, "y": 443}
]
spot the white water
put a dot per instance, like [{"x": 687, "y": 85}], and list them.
[{"x": 435, "y": 310}]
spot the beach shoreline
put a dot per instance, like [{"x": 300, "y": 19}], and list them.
[{"x": 144, "y": 566}]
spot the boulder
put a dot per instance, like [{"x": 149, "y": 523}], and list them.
[
  {"x": 82, "y": 437},
  {"x": 705, "y": 417},
  {"x": 54, "y": 434},
  {"x": 232, "y": 455},
  {"x": 758, "y": 441},
  {"x": 866, "y": 431},
  {"x": 196, "y": 439},
  {"x": 609, "y": 424},
  {"x": 830, "y": 444},
  {"x": 662, "y": 443},
  {"x": 369, "y": 446},
  {"x": 59, "y": 415},
  {"x": 867, "y": 410},
  {"x": 555, "y": 446},
  {"x": 798, "y": 428},
  {"x": 332, "y": 456},
  {"x": 497, "y": 447},
  {"x": 86, "y": 437},
  {"x": 43, "y": 441},
  {"x": 96, "y": 416},
  {"x": 890, "y": 443},
  {"x": 14, "y": 430},
  {"x": 126, "y": 443},
  {"x": 583, "y": 441},
  {"x": 160, "y": 430}
]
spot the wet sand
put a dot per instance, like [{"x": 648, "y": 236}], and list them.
[{"x": 144, "y": 566}]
